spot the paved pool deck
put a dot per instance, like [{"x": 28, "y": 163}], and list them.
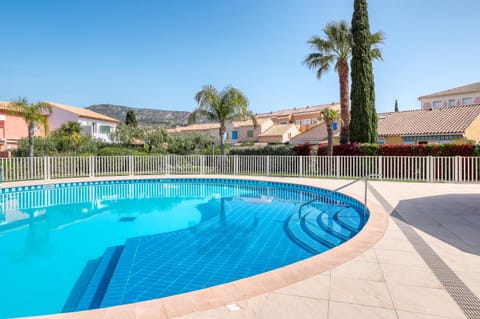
[{"x": 419, "y": 258}]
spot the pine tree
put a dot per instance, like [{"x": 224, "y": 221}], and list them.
[
  {"x": 363, "y": 124},
  {"x": 131, "y": 119},
  {"x": 396, "y": 106}
]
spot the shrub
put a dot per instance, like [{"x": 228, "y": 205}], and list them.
[
  {"x": 280, "y": 150},
  {"x": 120, "y": 151},
  {"x": 400, "y": 150},
  {"x": 303, "y": 149}
]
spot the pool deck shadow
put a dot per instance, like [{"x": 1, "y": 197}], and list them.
[{"x": 381, "y": 273}]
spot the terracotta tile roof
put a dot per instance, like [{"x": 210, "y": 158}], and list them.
[
  {"x": 83, "y": 112},
  {"x": 298, "y": 110},
  {"x": 470, "y": 88},
  {"x": 260, "y": 121},
  {"x": 196, "y": 127},
  {"x": 277, "y": 130},
  {"x": 445, "y": 120}
]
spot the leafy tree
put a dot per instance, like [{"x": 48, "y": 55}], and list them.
[
  {"x": 330, "y": 116},
  {"x": 33, "y": 114},
  {"x": 396, "y": 105},
  {"x": 230, "y": 104},
  {"x": 336, "y": 49},
  {"x": 131, "y": 119},
  {"x": 43, "y": 147},
  {"x": 154, "y": 137},
  {"x": 363, "y": 125},
  {"x": 190, "y": 143},
  {"x": 125, "y": 134}
]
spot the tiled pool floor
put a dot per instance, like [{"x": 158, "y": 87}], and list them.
[{"x": 388, "y": 279}]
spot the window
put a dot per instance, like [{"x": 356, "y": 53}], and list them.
[
  {"x": 451, "y": 102},
  {"x": 467, "y": 101},
  {"x": 250, "y": 133},
  {"x": 334, "y": 126},
  {"x": 104, "y": 129},
  {"x": 234, "y": 135},
  {"x": 283, "y": 122},
  {"x": 306, "y": 121},
  {"x": 298, "y": 122},
  {"x": 437, "y": 104},
  {"x": 314, "y": 121}
]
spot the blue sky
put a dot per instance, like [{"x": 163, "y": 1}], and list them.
[{"x": 158, "y": 53}]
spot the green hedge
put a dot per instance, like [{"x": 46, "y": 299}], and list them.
[{"x": 280, "y": 150}]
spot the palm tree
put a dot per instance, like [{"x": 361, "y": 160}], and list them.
[
  {"x": 330, "y": 116},
  {"x": 230, "y": 104},
  {"x": 33, "y": 114},
  {"x": 336, "y": 49}
]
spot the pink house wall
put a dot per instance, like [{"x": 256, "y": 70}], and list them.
[{"x": 14, "y": 128}]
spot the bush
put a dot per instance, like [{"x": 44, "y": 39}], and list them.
[
  {"x": 303, "y": 149},
  {"x": 400, "y": 150},
  {"x": 280, "y": 150},
  {"x": 41, "y": 147},
  {"x": 120, "y": 151}
]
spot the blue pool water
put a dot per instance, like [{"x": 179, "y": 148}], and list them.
[{"x": 78, "y": 246}]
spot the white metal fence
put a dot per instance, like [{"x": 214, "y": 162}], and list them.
[{"x": 404, "y": 168}]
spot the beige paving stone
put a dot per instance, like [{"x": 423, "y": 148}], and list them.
[
  {"x": 280, "y": 306},
  {"x": 150, "y": 309},
  {"x": 368, "y": 256},
  {"x": 394, "y": 244},
  {"x": 127, "y": 312},
  {"x": 410, "y": 276},
  {"x": 424, "y": 300},
  {"x": 370, "y": 293},
  {"x": 339, "y": 310},
  {"x": 411, "y": 315},
  {"x": 315, "y": 287},
  {"x": 396, "y": 257},
  {"x": 359, "y": 270}
]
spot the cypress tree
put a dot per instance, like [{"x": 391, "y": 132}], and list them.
[
  {"x": 131, "y": 119},
  {"x": 363, "y": 124},
  {"x": 396, "y": 105}
]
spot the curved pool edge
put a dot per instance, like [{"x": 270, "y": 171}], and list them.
[{"x": 235, "y": 291}]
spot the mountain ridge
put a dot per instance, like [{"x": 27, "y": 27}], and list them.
[{"x": 144, "y": 116}]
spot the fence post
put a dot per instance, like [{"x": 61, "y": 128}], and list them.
[
  {"x": 300, "y": 158},
  {"x": 429, "y": 168},
  {"x": 202, "y": 164},
  {"x": 337, "y": 166},
  {"x": 130, "y": 165},
  {"x": 167, "y": 165},
  {"x": 235, "y": 165},
  {"x": 46, "y": 168},
  {"x": 268, "y": 165},
  {"x": 91, "y": 165},
  {"x": 380, "y": 167},
  {"x": 458, "y": 169}
]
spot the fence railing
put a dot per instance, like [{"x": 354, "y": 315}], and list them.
[{"x": 403, "y": 168}]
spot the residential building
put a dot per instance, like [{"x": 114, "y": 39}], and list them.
[
  {"x": 279, "y": 133},
  {"x": 209, "y": 128},
  {"x": 12, "y": 128},
  {"x": 317, "y": 135},
  {"x": 303, "y": 117},
  {"x": 430, "y": 126},
  {"x": 462, "y": 95},
  {"x": 93, "y": 124},
  {"x": 245, "y": 131}
]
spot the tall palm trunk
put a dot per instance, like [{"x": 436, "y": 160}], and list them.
[
  {"x": 31, "y": 132},
  {"x": 343, "y": 71},
  {"x": 222, "y": 138},
  {"x": 329, "y": 139}
]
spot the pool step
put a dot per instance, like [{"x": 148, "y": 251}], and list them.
[
  {"x": 350, "y": 219},
  {"x": 298, "y": 235},
  {"x": 311, "y": 227},
  {"x": 329, "y": 224},
  {"x": 97, "y": 286},
  {"x": 80, "y": 286}
]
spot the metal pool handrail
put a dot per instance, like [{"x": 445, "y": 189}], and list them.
[{"x": 363, "y": 178}]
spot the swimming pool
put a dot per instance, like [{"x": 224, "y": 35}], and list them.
[{"x": 78, "y": 246}]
